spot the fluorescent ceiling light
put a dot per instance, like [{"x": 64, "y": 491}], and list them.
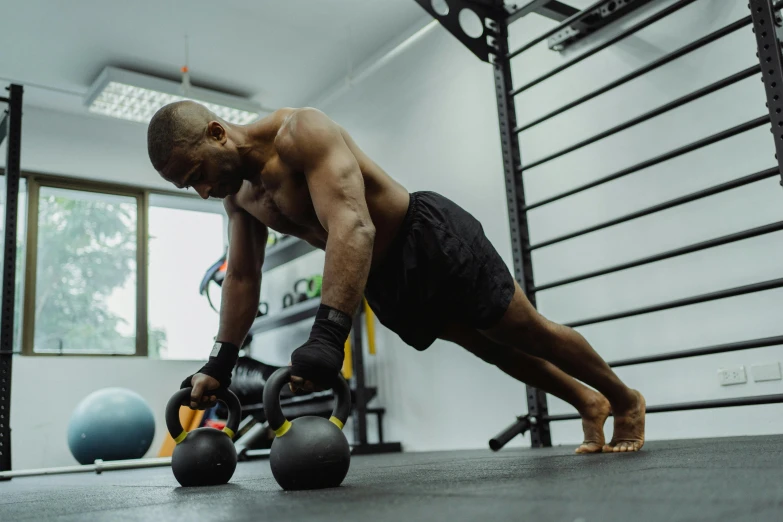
[{"x": 136, "y": 97}]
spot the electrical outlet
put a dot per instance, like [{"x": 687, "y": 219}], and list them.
[
  {"x": 729, "y": 376},
  {"x": 766, "y": 372}
]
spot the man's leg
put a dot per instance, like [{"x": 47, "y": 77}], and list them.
[
  {"x": 523, "y": 328},
  {"x": 591, "y": 405}
]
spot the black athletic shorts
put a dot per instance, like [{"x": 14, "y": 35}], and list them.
[{"x": 440, "y": 268}]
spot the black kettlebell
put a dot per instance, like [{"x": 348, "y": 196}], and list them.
[
  {"x": 309, "y": 452},
  {"x": 204, "y": 456}
]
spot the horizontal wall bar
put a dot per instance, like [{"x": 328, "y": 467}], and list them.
[
  {"x": 679, "y": 102},
  {"x": 679, "y": 53},
  {"x": 660, "y": 15},
  {"x": 696, "y": 145},
  {"x": 697, "y": 405},
  {"x": 703, "y": 298},
  {"x": 711, "y": 243},
  {"x": 696, "y": 352},
  {"x": 688, "y": 198},
  {"x": 4, "y": 100},
  {"x": 559, "y": 27}
]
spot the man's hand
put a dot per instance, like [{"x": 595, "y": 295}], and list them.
[
  {"x": 199, "y": 398},
  {"x": 298, "y": 384},
  {"x": 316, "y": 364}
]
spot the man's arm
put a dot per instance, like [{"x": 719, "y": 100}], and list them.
[
  {"x": 316, "y": 144},
  {"x": 313, "y": 143},
  {"x": 239, "y": 303},
  {"x": 242, "y": 285}
]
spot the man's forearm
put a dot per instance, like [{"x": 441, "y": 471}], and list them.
[
  {"x": 348, "y": 259},
  {"x": 238, "y": 309}
]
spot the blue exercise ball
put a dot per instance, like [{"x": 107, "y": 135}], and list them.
[{"x": 111, "y": 424}]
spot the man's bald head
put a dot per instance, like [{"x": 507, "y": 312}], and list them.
[
  {"x": 191, "y": 147},
  {"x": 176, "y": 125}
]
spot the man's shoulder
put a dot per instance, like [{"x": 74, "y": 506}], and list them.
[{"x": 304, "y": 131}]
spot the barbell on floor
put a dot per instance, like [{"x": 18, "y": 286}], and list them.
[{"x": 99, "y": 466}]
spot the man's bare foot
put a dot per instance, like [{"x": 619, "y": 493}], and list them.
[
  {"x": 628, "y": 428},
  {"x": 594, "y": 416}
]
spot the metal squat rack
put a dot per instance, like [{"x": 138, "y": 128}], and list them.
[{"x": 492, "y": 47}]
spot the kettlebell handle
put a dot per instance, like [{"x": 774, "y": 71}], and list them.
[
  {"x": 182, "y": 398},
  {"x": 274, "y": 412},
  {"x": 299, "y": 282}
]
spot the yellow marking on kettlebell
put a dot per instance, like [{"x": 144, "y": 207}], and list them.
[
  {"x": 181, "y": 437},
  {"x": 337, "y": 422},
  {"x": 282, "y": 430},
  {"x": 228, "y": 431}
]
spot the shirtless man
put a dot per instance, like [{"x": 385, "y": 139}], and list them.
[{"x": 423, "y": 263}]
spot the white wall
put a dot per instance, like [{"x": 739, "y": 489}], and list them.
[
  {"x": 429, "y": 118},
  {"x": 46, "y": 390},
  {"x": 86, "y": 146}
]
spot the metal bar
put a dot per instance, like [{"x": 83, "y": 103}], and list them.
[
  {"x": 549, "y": 8},
  {"x": 697, "y": 405},
  {"x": 142, "y": 280},
  {"x": 12, "y": 172},
  {"x": 660, "y": 15},
  {"x": 360, "y": 409},
  {"x": 556, "y": 11},
  {"x": 713, "y": 296},
  {"x": 284, "y": 251},
  {"x": 559, "y": 27},
  {"x": 257, "y": 453},
  {"x": 98, "y": 467},
  {"x": 531, "y": 7},
  {"x": 696, "y": 352},
  {"x": 292, "y": 314},
  {"x": 3, "y": 99},
  {"x": 688, "y": 198},
  {"x": 704, "y": 142},
  {"x": 518, "y": 428},
  {"x": 379, "y": 419},
  {"x": 3, "y": 127},
  {"x": 517, "y": 216},
  {"x": 663, "y": 60},
  {"x": 723, "y": 240},
  {"x": 765, "y": 25},
  {"x": 679, "y": 102}
]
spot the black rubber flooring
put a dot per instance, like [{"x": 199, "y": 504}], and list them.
[{"x": 714, "y": 479}]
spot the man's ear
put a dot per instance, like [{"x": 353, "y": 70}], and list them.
[{"x": 216, "y": 131}]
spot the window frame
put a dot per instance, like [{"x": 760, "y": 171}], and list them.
[{"x": 35, "y": 181}]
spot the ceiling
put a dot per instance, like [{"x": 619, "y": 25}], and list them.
[{"x": 278, "y": 52}]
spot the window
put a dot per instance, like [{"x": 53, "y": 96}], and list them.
[
  {"x": 186, "y": 237},
  {"x": 21, "y": 236},
  {"x": 108, "y": 265},
  {"x": 85, "y": 272}
]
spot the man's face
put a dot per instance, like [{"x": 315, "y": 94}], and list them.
[{"x": 212, "y": 168}]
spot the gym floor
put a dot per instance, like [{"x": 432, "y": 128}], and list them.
[{"x": 711, "y": 479}]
